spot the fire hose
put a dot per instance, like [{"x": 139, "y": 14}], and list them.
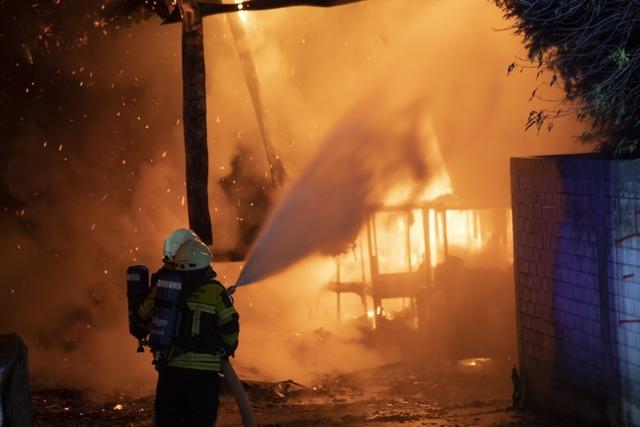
[{"x": 232, "y": 380}]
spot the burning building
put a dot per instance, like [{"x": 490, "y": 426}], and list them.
[{"x": 433, "y": 266}]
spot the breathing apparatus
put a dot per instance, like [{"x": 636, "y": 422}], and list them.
[
  {"x": 182, "y": 252},
  {"x": 137, "y": 291}
]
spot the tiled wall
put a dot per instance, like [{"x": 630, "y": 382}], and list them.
[{"x": 577, "y": 266}]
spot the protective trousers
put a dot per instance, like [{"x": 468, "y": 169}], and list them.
[{"x": 186, "y": 398}]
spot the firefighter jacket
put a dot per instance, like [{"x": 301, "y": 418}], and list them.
[{"x": 209, "y": 329}]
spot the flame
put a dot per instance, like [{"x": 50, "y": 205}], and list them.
[
  {"x": 395, "y": 238},
  {"x": 463, "y": 228}
]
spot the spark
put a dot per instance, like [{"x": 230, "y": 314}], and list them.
[{"x": 118, "y": 407}]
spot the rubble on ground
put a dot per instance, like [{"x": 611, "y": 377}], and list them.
[{"x": 417, "y": 393}]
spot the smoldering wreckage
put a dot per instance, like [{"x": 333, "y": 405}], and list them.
[{"x": 408, "y": 270}]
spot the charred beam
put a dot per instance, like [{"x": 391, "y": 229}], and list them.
[
  {"x": 209, "y": 7},
  {"x": 195, "y": 122}
]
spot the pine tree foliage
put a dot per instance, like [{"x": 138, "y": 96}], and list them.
[{"x": 594, "y": 47}]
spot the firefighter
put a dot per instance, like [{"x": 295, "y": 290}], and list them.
[{"x": 189, "y": 371}]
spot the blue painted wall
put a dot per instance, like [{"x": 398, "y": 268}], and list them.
[{"x": 577, "y": 268}]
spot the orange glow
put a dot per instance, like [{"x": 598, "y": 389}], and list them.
[{"x": 314, "y": 64}]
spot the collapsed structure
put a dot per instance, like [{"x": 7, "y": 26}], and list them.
[{"x": 409, "y": 268}]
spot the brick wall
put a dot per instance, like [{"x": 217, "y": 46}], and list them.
[{"x": 577, "y": 265}]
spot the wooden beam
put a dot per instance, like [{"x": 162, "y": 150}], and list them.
[
  {"x": 211, "y": 7},
  {"x": 195, "y": 122}
]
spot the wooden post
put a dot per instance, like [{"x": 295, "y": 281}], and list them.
[
  {"x": 195, "y": 121},
  {"x": 438, "y": 236},
  {"x": 427, "y": 243},
  {"x": 445, "y": 234},
  {"x": 408, "y": 238}
]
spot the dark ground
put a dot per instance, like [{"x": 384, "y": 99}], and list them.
[{"x": 424, "y": 393}]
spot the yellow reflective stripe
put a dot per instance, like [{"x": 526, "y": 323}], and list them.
[
  {"x": 195, "y": 324},
  {"x": 198, "y": 357},
  {"x": 207, "y": 308},
  {"x": 225, "y": 314},
  {"x": 196, "y": 365},
  {"x": 208, "y": 362}
]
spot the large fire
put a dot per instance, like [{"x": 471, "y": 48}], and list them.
[
  {"x": 394, "y": 243},
  {"x": 102, "y": 200}
]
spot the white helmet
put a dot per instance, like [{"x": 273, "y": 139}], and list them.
[
  {"x": 174, "y": 241},
  {"x": 192, "y": 255}
]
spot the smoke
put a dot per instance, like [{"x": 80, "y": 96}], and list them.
[
  {"x": 375, "y": 147},
  {"x": 247, "y": 189},
  {"x": 289, "y": 328},
  {"x": 95, "y": 190},
  {"x": 99, "y": 187}
]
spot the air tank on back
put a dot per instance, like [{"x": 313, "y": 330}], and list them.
[
  {"x": 137, "y": 291},
  {"x": 167, "y": 312}
]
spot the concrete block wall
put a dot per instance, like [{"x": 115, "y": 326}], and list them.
[{"x": 576, "y": 226}]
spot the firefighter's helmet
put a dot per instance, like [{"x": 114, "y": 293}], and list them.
[
  {"x": 173, "y": 242},
  {"x": 192, "y": 255}
]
